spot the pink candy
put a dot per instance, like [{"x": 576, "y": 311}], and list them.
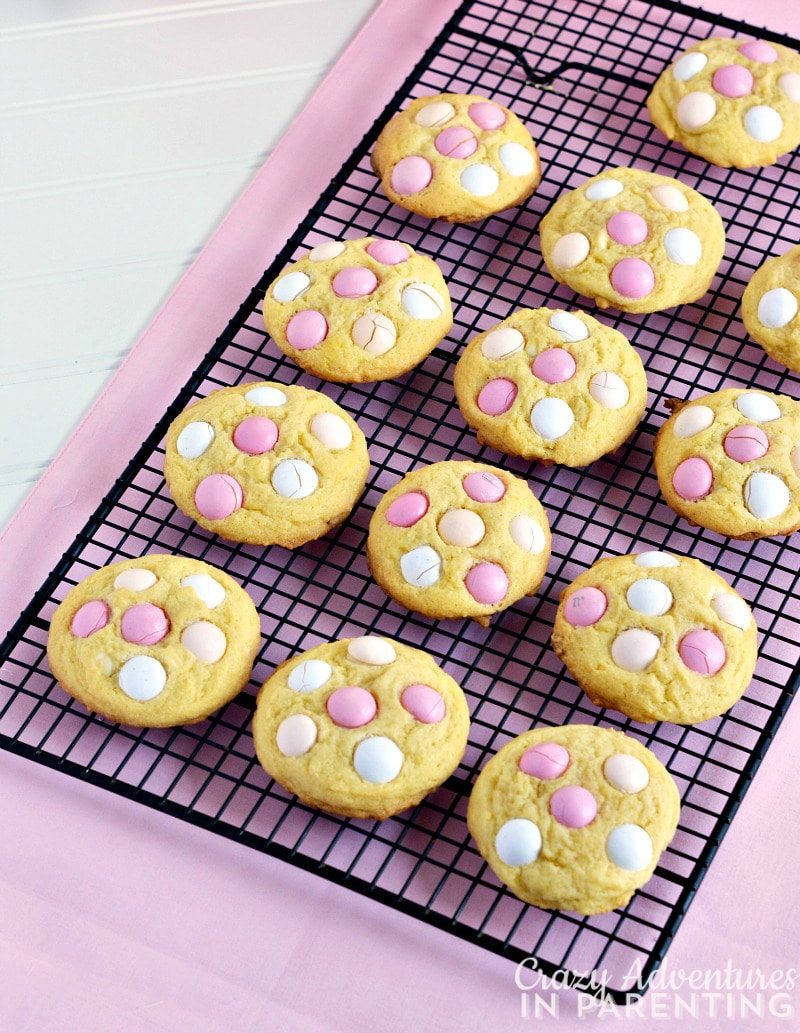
[
  {"x": 307, "y": 329},
  {"x": 483, "y": 486},
  {"x": 497, "y": 396},
  {"x": 456, "y": 142},
  {"x": 487, "y": 583},
  {"x": 554, "y": 366},
  {"x": 693, "y": 479},
  {"x": 354, "y": 282},
  {"x": 407, "y": 510},
  {"x": 351, "y": 707},
  {"x": 585, "y": 607},
  {"x": 573, "y": 806},
  {"x": 91, "y": 617},
  {"x": 144, "y": 624},
  {"x": 702, "y": 651},
  {"x": 746, "y": 443},
  {"x": 411, "y": 174},
  {"x": 627, "y": 228},
  {"x": 758, "y": 50},
  {"x": 255, "y": 435},
  {"x": 487, "y": 115},
  {"x": 388, "y": 252},
  {"x": 218, "y": 496},
  {"x": 733, "y": 81},
  {"x": 423, "y": 703},
  {"x": 545, "y": 760},
  {"x": 633, "y": 278}
]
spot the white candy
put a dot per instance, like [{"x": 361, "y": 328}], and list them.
[
  {"x": 294, "y": 479},
  {"x": 626, "y": 773},
  {"x": 763, "y": 123},
  {"x": 137, "y": 579},
  {"x": 142, "y": 678},
  {"x": 421, "y": 567},
  {"x": 421, "y": 301},
  {"x": 630, "y": 847},
  {"x": 194, "y": 440},
  {"x": 758, "y": 407},
  {"x": 516, "y": 160},
  {"x": 296, "y": 735},
  {"x": 266, "y": 396},
  {"x": 635, "y": 649},
  {"x": 209, "y": 591},
  {"x": 655, "y": 559},
  {"x": 518, "y": 842},
  {"x": 732, "y": 609},
  {"x": 480, "y": 180},
  {"x": 325, "y": 252},
  {"x": 766, "y": 495},
  {"x": 609, "y": 390},
  {"x": 568, "y": 326},
  {"x": 552, "y": 418},
  {"x": 378, "y": 760},
  {"x": 502, "y": 343},
  {"x": 603, "y": 189},
  {"x": 435, "y": 114},
  {"x": 331, "y": 431},
  {"x": 683, "y": 246},
  {"x": 789, "y": 84},
  {"x": 309, "y": 675},
  {"x": 527, "y": 534},
  {"x": 650, "y": 597},
  {"x": 369, "y": 649},
  {"x": 688, "y": 66},
  {"x": 777, "y": 308},
  {"x": 692, "y": 420},
  {"x": 292, "y": 286}
]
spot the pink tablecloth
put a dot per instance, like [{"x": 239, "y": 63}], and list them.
[{"x": 118, "y": 918}]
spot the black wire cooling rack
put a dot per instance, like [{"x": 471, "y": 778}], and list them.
[{"x": 577, "y": 73}]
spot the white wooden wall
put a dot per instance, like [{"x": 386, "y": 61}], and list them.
[{"x": 127, "y": 129}]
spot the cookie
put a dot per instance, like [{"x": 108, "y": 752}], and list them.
[
  {"x": 459, "y": 539},
  {"x": 458, "y": 157},
  {"x": 730, "y": 461},
  {"x": 731, "y": 101},
  {"x": 264, "y": 463},
  {"x": 574, "y": 818},
  {"x": 364, "y": 727},
  {"x": 154, "y": 642},
  {"x": 770, "y": 305},
  {"x": 359, "y": 310},
  {"x": 553, "y": 386},
  {"x": 633, "y": 239},
  {"x": 656, "y": 636}
]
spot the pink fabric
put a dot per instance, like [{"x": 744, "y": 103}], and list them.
[{"x": 116, "y": 917}]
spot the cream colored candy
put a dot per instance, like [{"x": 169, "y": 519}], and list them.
[{"x": 369, "y": 649}]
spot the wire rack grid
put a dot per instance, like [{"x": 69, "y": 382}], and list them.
[{"x": 577, "y": 73}]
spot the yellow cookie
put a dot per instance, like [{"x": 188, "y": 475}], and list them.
[
  {"x": 265, "y": 463},
  {"x": 731, "y": 101},
  {"x": 154, "y": 642},
  {"x": 574, "y": 817},
  {"x": 359, "y": 310},
  {"x": 635, "y": 240},
  {"x": 550, "y": 385},
  {"x": 730, "y": 461},
  {"x": 658, "y": 637},
  {"x": 364, "y": 727},
  {"x": 459, "y": 540},
  {"x": 457, "y": 157},
  {"x": 769, "y": 308}
]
